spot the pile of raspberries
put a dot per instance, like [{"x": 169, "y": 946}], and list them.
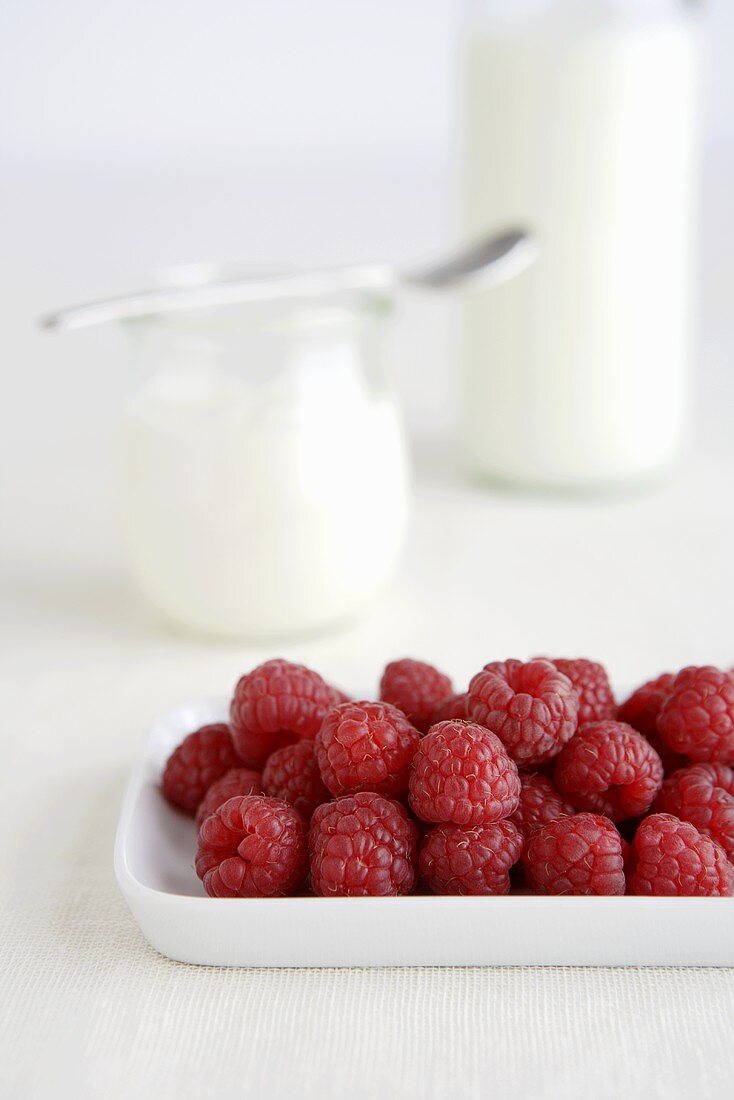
[{"x": 533, "y": 779}]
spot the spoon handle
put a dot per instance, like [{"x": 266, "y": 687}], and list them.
[{"x": 308, "y": 284}]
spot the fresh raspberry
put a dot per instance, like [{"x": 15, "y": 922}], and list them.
[
  {"x": 540, "y": 802},
  {"x": 416, "y": 688},
  {"x": 669, "y": 857},
  {"x": 292, "y": 773},
  {"x": 575, "y": 855},
  {"x": 704, "y": 795},
  {"x": 366, "y": 747},
  {"x": 642, "y": 708},
  {"x": 252, "y": 847},
  {"x": 201, "y": 758},
  {"x": 532, "y": 707},
  {"x": 591, "y": 681},
  {"x": 672, "y": 761},
  {"x": 697, "y": 718},
  {"x": 609, "y": 768},
  {"x": 641, "y": 712},
  {"x": 235, "y": 781},
  {"x": 274, "y": 705},
  {"x": 456, "y": 706},
  {"x": 474, "y": 859},
  {"x": 362, "y": 845},
  {"x": 462, "y": 774}
]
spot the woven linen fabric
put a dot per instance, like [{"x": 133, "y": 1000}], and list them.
[{"x": 88, "y": 1009}]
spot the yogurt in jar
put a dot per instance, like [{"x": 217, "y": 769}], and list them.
[{"x": 265, "y": 505}]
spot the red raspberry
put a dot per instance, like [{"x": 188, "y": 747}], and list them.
[
  {"x": 671, "y": 761},
  {"x": 362, "y": 845},
  {"x": 461, "y": 773},
  {"x": 201, "y": 758},
  {"x": 292, "y": 773},
  {"x": 532, "y": 707},
  {"x": 540, "y": 802},
  {"x": 642, "y": 708},
  {"x": 641, "y": 712},
  {"x": 274, "y": 705},
  {"x": 416, "y": 688},
  {"x": 456, "y": 706},
  {"x": 235, "y": 781},
  {"x": 697, "y": 718},
  {"x": 474, "y": 859},
  {"x": 590, "y": 679},
  {"x": 609, "y": 768},
  {"x": 366, "y": 747},
  {"x": 252, "y": 847},
  {"x": 669, "y": 857},
  {"x": 575, "y": 855},
  {"x": 704, "y": 795}
]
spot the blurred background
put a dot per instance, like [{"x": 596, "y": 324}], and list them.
[{"x": 138, "y": 136}]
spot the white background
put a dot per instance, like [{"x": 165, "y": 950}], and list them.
[
  {"x": 139, "y": 135},
  {"x": 178, "y": 81}
]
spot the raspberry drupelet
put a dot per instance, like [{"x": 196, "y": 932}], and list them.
[
  {"x": 366, "y": 747},
  {"x": 235, "y": 781},
  {"x": 362, "y": 845},
  {"x": 292, "y": 773},
  {"x": 583, "y": 854},
  {"x": 470, "y": 859},
  {"x": 671, "y": 858},
  {"x": 697, "y": 718},
  {"x": 201, "y": 758},
  {"x": 608, "y": 768},
  {"x": 532, "y": 707},
  {"x": 462, "y": 774},
  {"x": 252, "y": 847},
  {"x": 416, "y": 688},
  {"x": 704, "y": 795},
  {"x": 276, "y": 704}
]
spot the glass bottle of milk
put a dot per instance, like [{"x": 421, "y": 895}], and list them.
[{"x": 579, "y": 120}]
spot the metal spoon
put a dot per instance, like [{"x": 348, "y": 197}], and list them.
[{"x": 487, "y": 262}]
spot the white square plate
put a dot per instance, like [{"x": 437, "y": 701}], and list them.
[{"x": 154, "y": 854}]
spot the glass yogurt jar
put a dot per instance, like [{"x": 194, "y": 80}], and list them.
[{"x": 256, "y": 454}]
